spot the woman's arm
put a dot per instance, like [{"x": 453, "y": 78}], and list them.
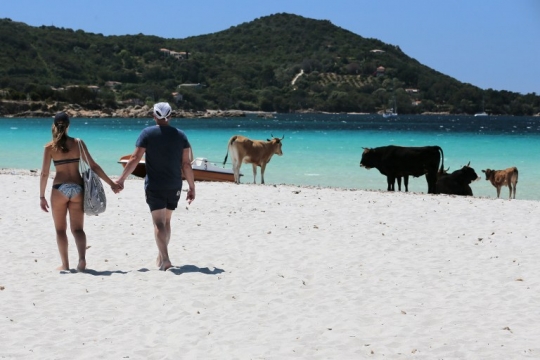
[{"x": 44, "y": 177}]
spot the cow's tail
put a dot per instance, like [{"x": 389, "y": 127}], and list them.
[
  {"x": 441, "y": 169},
  {"x": 228, "y": 146}
]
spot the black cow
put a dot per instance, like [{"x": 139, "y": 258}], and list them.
[
  {"x": 399, "y": 161},
  {"x": 457, "y": 183}
]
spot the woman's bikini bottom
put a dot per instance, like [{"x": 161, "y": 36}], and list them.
[{"x": 69, "y": 190}]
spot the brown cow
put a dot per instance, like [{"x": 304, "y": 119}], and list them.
[
  {"x": 254, "y": 152},
  {"x": 500, "y": 178}
]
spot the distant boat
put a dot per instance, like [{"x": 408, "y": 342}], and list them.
[
  {"x": 483, "y": 113},
  {"x": 392, "y": 112},
  {"x": 203, "y": 170}
]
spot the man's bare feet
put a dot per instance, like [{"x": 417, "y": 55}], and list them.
[
  {"x": 82, "y": 265},
  {"x": 62, "y": 267},
  {"x": 165, "y": 265}
]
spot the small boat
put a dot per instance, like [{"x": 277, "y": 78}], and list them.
[
  {"x": 483, "y": 113},
  {"x": 203, "y": 170},
  {"x": 389, "y": 113},
  {"x": 392, "y": 112},
  {"x": 140, "y": 170}
]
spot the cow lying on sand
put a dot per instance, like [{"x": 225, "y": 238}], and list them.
[
  {"x": 500, "y": 178},
  {"x": 254, "y": 152},
  {"x": 457, "y": 183},
  {"x": 395, "y": 161}
]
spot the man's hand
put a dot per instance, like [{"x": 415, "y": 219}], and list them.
[{"x": 190, "y": 195}]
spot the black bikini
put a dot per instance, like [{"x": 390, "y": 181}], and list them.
[{"x": 65, "y": 161}]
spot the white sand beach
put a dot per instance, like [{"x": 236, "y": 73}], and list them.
[{"x": 274, "y": 272}]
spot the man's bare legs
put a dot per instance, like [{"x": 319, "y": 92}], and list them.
[{"x": 162, "y": 232}]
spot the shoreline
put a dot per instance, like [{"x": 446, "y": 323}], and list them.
[
  {"x": 36, "y": 173},
  {"x": 26, "y": 109}
]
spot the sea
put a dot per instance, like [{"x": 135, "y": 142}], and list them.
[{"x": 322, "y": 150}]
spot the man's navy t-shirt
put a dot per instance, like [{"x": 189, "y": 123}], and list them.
[{"x": 164, "y": 148}]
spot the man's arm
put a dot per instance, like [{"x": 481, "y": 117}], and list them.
[
  {"x": 131, "y": 165},
  {"x": 188, "y": 174}
]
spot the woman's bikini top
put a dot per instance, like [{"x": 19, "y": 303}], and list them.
[{"x": 65, "y": 161}]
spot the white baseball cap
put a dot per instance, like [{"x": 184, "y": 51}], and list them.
[{"x": 162, "y": 110}]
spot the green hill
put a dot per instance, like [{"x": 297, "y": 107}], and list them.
[{"x": 246, "y": 67}]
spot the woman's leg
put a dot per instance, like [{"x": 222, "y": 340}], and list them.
[
  {"x": 76, "y": 223},
  {"x": 59, "y": 206}
]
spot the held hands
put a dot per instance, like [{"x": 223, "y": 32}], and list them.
[
  {"x": 120, "y": 184},
  {"x": 116, "y": 187}
]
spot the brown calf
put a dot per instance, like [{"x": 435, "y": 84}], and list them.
[
  {"x": 254, "y": 152},
  {"x": 500, "y": 178}
]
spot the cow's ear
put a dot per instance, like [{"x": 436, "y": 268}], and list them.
[
  {"x": 268, "y": 140},
  {"x": 483, "y": 171}
]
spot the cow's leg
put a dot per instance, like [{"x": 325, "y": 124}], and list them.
[
  {"x": 263, "y": 167},
  {"x": 498, "y": 191},
  {"x": 236, "y": 169},
  {"x": 515, "y": 184},
  {"x": 431, "y": 178},
  {"x": 254, "y": 173},
  {"x": 399, "y": 182},
  {"x": 390, "y": 181},
  {"x": 509, "y": 191},
  {"x": 406, "y": 182}
]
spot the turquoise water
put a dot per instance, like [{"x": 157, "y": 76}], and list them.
[{"x": 321, "y": 150}]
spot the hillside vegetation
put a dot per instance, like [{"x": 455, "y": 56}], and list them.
[{"x": 282, "y": 62}]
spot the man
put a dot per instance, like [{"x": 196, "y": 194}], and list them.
[{"x": 167, "y": 157}]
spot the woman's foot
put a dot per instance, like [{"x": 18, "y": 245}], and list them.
[
  {"x": 165, "y": 265},
  {"x": 63, "y": 267},
  {"x": 82, "y": 265}
]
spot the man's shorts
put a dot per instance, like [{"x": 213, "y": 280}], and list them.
[{"x": 161, "y": 199}]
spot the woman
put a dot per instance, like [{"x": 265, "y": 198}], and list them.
[{"x": 67, "y": 191}]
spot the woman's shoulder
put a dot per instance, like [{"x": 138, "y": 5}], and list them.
[{"x": 76, "y": 141}]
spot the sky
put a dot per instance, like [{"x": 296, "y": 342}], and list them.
[{"x": 492, "y": 44}]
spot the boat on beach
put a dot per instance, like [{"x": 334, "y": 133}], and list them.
[
  {"x": 140, "y": 170},
  {"x": 203, "y": 170}
]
